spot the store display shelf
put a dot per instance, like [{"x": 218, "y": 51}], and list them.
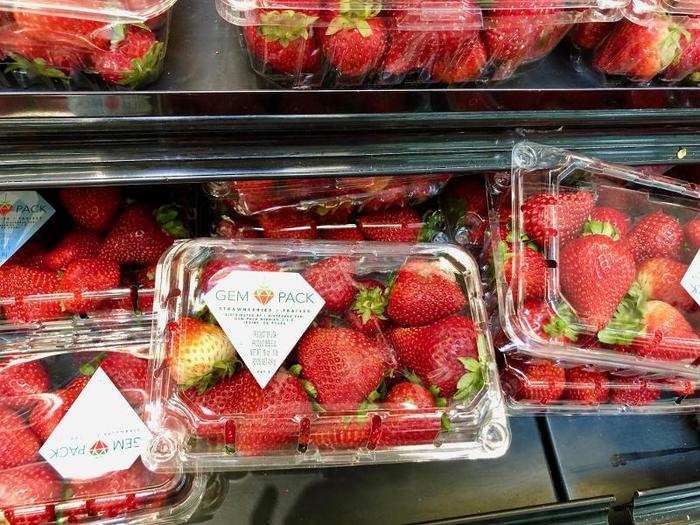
[{"x": 674, "y": 504}]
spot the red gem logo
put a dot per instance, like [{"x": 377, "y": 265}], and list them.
[
  {"x": 100, "y": 448},
  {"x": 264, "y": 295},
  {"x": 5, "y": 207}
]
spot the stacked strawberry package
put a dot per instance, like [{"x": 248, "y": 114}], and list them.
[
  {"x": 84, "y": 44},
  {"x": 307, "y": 43},
  {"x": 54, "y": 468},
  {"x": 596, "y": 264},
  {"x": 276, "y": 354}
]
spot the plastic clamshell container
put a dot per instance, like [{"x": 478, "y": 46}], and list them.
[
  {"x": 532, "y": 385},
  {"x": 94, "y": 45},
  {"x": 37, "y": 391},
  {"x": 189, "y": 435},
  {"x": 303, "y": 44},
  {"x": 662, "y": 337}
]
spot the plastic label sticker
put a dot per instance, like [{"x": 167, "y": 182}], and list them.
[
  {"x": 100, "y": 433},
  {"x": 263, "y": 314},
  {"x": 691, "y": 279},
  {"x": 22, "y": 213}
]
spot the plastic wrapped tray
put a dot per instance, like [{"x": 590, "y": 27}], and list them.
[
  {"x": 85, "y": 45},
  {"x": 598, "y": 252},
  {"x": 307, "y": 44},
  {"x": 38, "y": 391},
  {"x": 533, "y": 385},
  {"x": 349, "y": 374}
]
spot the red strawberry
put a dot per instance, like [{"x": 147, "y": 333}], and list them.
[
  {"x": 460, "y": 56},
  {"x": 45, "y": 56},
  {"x": 24, "y": 490},
  {"x": 134, "y": 61},
  {"x": 353, "y": 45},
  {"x": 51, "y": 408},
  {"x": 284, "y": 41},
  {"x": 21, "y": 384},
  {"x": 367, "y": 311},
  {"x": 146, "y": 282},
  {"x": 288, "y": 223},
  {"x": 681, "y": 386},
  {"x": 91, "y": 208},
  {"x": 530, "y": 270},
  {"x": 344, "y": 432},
  {"x": 136, "y": 237},
  {"x": 77, "y": 29},
  {"x": 217, "y": 269},
  {"x": 409, "y": 48},
  {"x": 588, "y": 35},
  {"x": 413, "y": 418},
  {"x": 333, "y": 279},
  {"x": 669, "y": 336},
  {"x": 343, "y": 365},
  {"x": 268, "y": 423},
  {"x": 238, "y": 228},
  {"x": 423, "y": 293},
  {"x": 126, "y": 371},
  {"x": 396, "y": 225},
  {"x": 588, "y": 387},
  {"x": 656, "y": 235},
  {"x": 433, "y": 351},
  {"x": 537, "y": 381},
  {"x": 633, "y": 390},
  {"x": 660, "y": 279},
  {"x": 341, "y": 232},
  {"x": 18, "y": 444},
  {"x": 30, "y": 255},
  {"x": 687, "y": 61},
  {"x": 550, "y": 325},
  {"x": 546, "y": 215},
  {"x": 608, "y": 221},
  {"x": 75, "y": 245},
  {"x": 692, "y": 233},
  {"x": 18, "y": 282},
  {"x": 89, "y": 275},
  {"x": 465, "y": 204},
  {"x": 595, "y": 274},
  {"x": 637, "y": 51}
]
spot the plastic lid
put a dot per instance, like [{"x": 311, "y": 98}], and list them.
[
  {"x": 274, "y": 354},
  {"x": 598, "y": 252},
  {"x": 129, "y": 11}
]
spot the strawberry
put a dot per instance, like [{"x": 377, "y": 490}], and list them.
[
  {"x": 268, "y": 423},
  {"x": 530, "y": 271},
  {"x": 42, "y": 56},
  {"x": 608, "y": 221},
  {"x": 537, "y": 381},
  {"x": 19, "y": 445},
  {"x": 588, "y": 35},
  {"x": 367, "y": 311},
  {"x": 134, "y": 61},
  {"x": 639, "y": 52},
  {"x": 354, "y": 45},
  {"x": 423, "y": 293},
  {"x": 75, "y": 29},
  {"x": 284, "y": 41},
  {"x": 200, "y": 353},
  {"x": 146, "y": 282},
  {"x": 461, "y": 56},
  {"x": 595, "y": 274},
  {"x": 343, "y": 365},
  {"x": 89, "y": 275},
  {"x": 345, "y": 432},
  {"x": 341, "y": 232},
  {"x": 137, "y": 237},
  {"x": 588, "y": 387},
  {"x": 681, "y": 386},
  {"x": 22, "y": 383},
  {"x": 30, "y": 255},
  {"x": 395, "y": 225},
  {"x": 409, "y": 49},
  {"x": 413, "y": 416},
  {"x": 288, "y": 223},
  {"x": 633, "y": 390},
  {"x": 434, "y": 352},
  {"x": 465, "y": 207},
  {"x": 126, "y": 371},
  {"x": 51, "y": 408},
  {"x": 333, "y": 279},
  {"x": 91, "y": 208},
  {"x": 660, "y": 279},
  {"x": 546, "y": 215},
  {"x": 656, "y": 235},
  {"x": 217, "y": 269},
  {"x": 19, "y": 282},
  {"x": 24, "y": 490},
  {"x": 692, "y": 234},
  {"x": 687, "y": 61},
  {"x": 555, "y": 326},
  {"x": 669, "y": 336},
  {"x": 75, "y": 245}
]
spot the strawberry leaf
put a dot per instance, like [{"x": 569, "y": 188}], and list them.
[
  {"x": 89, "y": 368},
  {"x": 594, "y": 227},
  {"x": 412, "y": 378},
  {"x": 295, "y": 370},
  {"x": 445, "y": 423},
  {"x": 309, "y": 388},
  {"x": 627, "y": 322},
  {"x": 562, "y": 324}
]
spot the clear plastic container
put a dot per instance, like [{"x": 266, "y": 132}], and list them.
[
  {"x": 324, "y": 385},
  {"x": 533, "y": 385},
  {"x": 306, "y": 44},
  {"x": 464, "y": 208},
  {"x": 589, "y": 259},
  {"x": 38, "y": 391},
  {"x": 84, "y": 44}
]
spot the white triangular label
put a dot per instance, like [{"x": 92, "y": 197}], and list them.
[
  {"x": 263, "y": 314},
  {"x": 691, "y": 279}
]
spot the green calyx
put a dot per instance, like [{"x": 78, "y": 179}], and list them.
[
  {"x": 285, "y": 26},
  {"x": 472, "y": 381},
  {"x": 309, "y": 388},
  {"x": 433, "y": 226},
  {"x": 562, "y": 324},
  {"x": 219, "y": 370},
  {"x": 412, "y": 378},
  {"x": 628, "y": 321},
  {"x": 670, "y": 46},
  {"x": 89, "y": 368},
  {"x": 445, "y": 423},
  {"x": 37, "y": 68},
  {"x": 169, "y": 219},
  {"x": 295, "y": 370},
  {"x": 354, "y": 15},
  {"x": 594, "y": 227},
  {"x": 370, "y": 302},
  {"x": 145, "y": 69}
]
